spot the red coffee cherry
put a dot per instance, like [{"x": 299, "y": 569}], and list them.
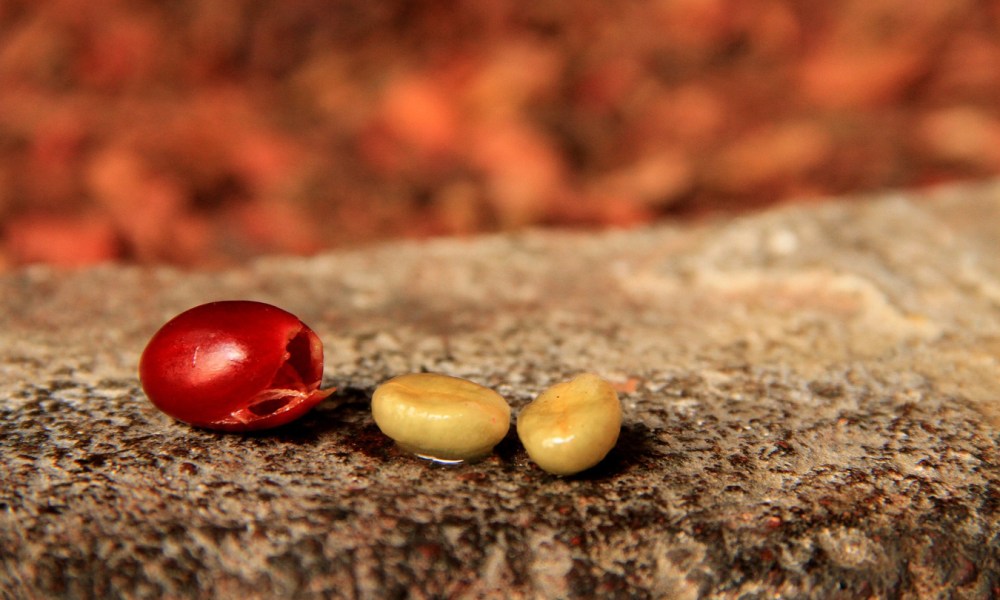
[{"x": 234, "y": 366}]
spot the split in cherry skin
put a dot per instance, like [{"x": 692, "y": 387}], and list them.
[{"x": 234, "y": 365}]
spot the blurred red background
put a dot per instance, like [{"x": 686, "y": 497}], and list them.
[{"x": 199, "y": 132}]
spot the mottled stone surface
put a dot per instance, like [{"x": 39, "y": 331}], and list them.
[{"x": 811, "y": 410}]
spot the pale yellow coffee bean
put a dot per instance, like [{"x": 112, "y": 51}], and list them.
[
  {"x": 572, "y": 425},
  {"x": 440, "y": 417}
]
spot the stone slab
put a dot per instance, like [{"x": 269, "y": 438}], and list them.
[{"x": 810, "y": 397}]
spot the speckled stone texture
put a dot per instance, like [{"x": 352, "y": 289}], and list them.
[{"x": 811, "y": 410}]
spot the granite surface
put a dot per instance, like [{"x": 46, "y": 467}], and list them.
[{"x": 810, "y": 395}]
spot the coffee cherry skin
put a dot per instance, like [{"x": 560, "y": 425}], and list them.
[{"x": 234, "y": 365}]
